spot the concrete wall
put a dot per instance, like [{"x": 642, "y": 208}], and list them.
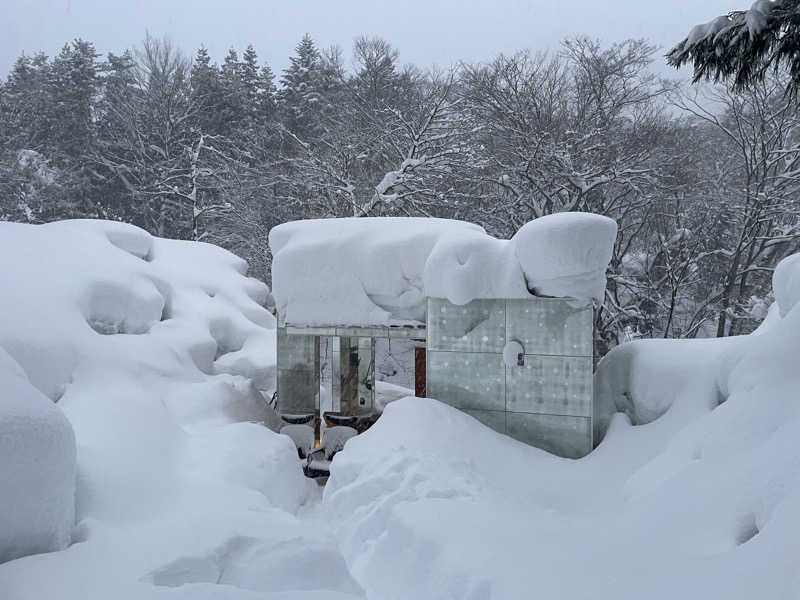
[{"x": 547, "y": 400}]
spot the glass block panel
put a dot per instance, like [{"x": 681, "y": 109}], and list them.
[
  {"x": 298, "y": 390},
  {"x": 478, "y": 326},
  {"x": 570, "y": 437},
  {"x": 296, "y": 351},
  {"x": 298, "y": 372},
  {"x": 550, "y": 326},
  {"x": 467, "y": 380},
  {"x": 494, "y": 419},
  {"x": 557, "y": 385}
]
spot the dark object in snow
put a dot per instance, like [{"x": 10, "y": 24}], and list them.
[
  {"x": 333, "y": 440},
  {"x": 358, "y": 422},
  {"x": 301, "y": 419},
  {"x": 419, "y": 371},
  {"x": 302, "y": 436}
]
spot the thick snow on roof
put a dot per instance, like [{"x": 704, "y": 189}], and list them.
[{"x": 375, "y": 271}]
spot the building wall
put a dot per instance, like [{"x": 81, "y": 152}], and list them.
[
  {"x": 298, "y": 373},
  {"x": 547, "y": 400}
]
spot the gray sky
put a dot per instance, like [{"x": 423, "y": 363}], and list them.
[{"x": 425, "y": 32}]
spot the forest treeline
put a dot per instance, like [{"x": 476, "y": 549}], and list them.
[{"x": 702, "y": 182}]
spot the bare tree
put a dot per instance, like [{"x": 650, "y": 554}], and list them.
[{"x": 757, "y": 204}]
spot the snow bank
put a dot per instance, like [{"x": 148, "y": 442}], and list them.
[
  {"x": 376, "y": 271},
  {"x": 786, "y": 283},
  {"x": 698, "y": 497},
  {"x": 37, "y": 468},
  {"x": 162, "y": 358},
  {"x": 642, "y": 378}
]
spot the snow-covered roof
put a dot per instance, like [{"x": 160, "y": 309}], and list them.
[{"x": 379, "y": 271}]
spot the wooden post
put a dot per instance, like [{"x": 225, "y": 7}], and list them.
[{"x": 419, "y": 372}]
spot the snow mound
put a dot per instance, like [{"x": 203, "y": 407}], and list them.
[
  {"x": 786, "y": 283},
  {"x": 694, "y": 491},
  {"x": 161, "y": 356},
  {"x": 37, "y": 468},
  {"x": 642, "y": 378},
  {"x": 375, "y": 271}
]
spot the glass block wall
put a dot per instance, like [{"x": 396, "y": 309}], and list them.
[
  {"x": 544, "y": 397},
  {"x": 349, "y": 372},
  {"x": 298, "y": 373}
]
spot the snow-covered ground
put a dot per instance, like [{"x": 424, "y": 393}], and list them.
[
  {"x": 159, "y": 355},
  {"x": 694, "y": 492}
]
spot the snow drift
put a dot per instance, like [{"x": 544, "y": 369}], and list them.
[
  {"x": 374, "y": 271},
  {"x": 694, "y": 491},
  {"x": 161, "y": 357},
  {"x": 37, "y": 468}
]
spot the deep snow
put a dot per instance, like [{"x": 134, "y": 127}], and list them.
[
  {"x": 161, "y": 357},
  {"x": 37, "y": 468},
  {"x": 693, "y": 492},
  {"x": 374, "y": 271},
  {"x": 697, "y": 498}
]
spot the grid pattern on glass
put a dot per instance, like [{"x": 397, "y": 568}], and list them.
[
  {"x": 570, "y": 437},
  {"x": 297, "y": 372},
  {"x": 478, "y": 326},
  {"x": 550, "y": 326},
  {"x": 558, "y": 385},
  {"x": 467, "y": 380},
  {"x": 297, "y": 390},
  {"x": 295, "y": 351}
]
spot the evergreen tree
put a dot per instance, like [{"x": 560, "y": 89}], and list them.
[
  {"x": 208, "y": 94},
  {"x": 267, "y": 102},
  {"x": 258, "y": 90},
  {"x": 27, "y": 107},
  {"x": 232, "y": 110},
  {"x": 74, "y": 83},
  {"x": 300, "y": 94},
  {"x": 742, "y": 45}
]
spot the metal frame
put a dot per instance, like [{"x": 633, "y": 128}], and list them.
[{"x": 407, "y": 332}]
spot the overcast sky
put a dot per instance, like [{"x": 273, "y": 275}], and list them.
[{"x": 425, "y": 32}]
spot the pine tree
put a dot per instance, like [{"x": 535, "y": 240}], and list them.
[
  {"x": 232, "y": 109},
  {"x": 741, "y": 46},
  {"x": 27, "y": 109},
  {"x": 207, "y": 93},
  {"x": 267, "y": 102},
  {"x": 300, "y": 94},
  {"x": 74, "y": 83},
  {"x": 258, "y": 90}
]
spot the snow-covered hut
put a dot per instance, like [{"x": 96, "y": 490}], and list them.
[{"x": 506, "y": 325}]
